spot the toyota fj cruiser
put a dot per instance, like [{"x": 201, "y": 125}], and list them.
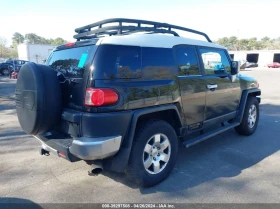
[{"x": 128, "y": 92}]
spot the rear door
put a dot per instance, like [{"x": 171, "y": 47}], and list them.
[
  {"x": 73, "y": 63},
  {"x": 192, "y": 85},
  {"x": 223, "y": 94}
]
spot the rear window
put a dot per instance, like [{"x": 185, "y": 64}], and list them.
[
  {"x": 114, "y": 61},
  {"x": 71, "y": 62}
]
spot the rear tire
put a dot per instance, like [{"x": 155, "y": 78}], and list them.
[
  {"x": 250, "y": 118},
  {"x": 153, "y": 154}
]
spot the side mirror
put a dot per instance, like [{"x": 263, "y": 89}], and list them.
[{"x": 235, "y": 67}]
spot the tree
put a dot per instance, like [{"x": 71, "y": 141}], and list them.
[
  {"x": 265, "y": 39},
  {"x": 224, "y": 42},
  {"x": 13, "y": 53},
  {"x": 6, "y": 52},
  {"x": 58, "y": 41},
  {"x": 43, "y": 40},
  {"x": 253, "y": 44},
  {"x": 17, "y": 38},
  {"x": 232, "y": 43},
  {"x": 32, "y": 38},
  {"x": 243, "y": 44},
  {"x": 3, "y": 42}
]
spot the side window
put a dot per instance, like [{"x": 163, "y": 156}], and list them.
[
  {"x": 215, "y": 61},
  {"x": 158, "y": 63},
  {"x": 114, "y": 61},
  {"x": 187, "y": 61}
]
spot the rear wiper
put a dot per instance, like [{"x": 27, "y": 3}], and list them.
[{"x": 62, "y": 79}]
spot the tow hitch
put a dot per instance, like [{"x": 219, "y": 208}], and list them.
[{"x": 44, "y": 152}]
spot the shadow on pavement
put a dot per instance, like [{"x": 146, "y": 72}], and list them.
[
  {"x": 223, "y": 156},
  {"x": 12, "y": 133},
  {"x": 16, "y": 203}
]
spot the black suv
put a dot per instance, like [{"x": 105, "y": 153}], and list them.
[
  {"x": 11, "y": 66},
  {"x": 123, "y": 100}
]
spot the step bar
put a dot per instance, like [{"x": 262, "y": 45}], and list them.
[{"x": 210, "y": 134}]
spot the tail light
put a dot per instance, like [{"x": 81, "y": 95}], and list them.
[{"x": 100, "y": 97}]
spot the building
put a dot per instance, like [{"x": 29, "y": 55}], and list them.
[
  {"x": 37, "y": 53},
  {"x": 262, "y": 57}
]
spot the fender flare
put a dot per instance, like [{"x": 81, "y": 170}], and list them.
[
  {"x": 119, "y": 161},
  {"x": 243, "y": 101}
]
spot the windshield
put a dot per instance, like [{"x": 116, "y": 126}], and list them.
[{"x": 72, "y": 62}]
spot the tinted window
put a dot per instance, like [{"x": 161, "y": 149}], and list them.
[
  {"x": 158, "y": 63},
  {"x": 215, "y": 61},
  {"x": 187, "y": 61},
  {"x": 114, "y": 61},
  {"x": 71, "y": 62}
]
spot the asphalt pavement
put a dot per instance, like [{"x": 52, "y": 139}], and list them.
[{"x": 224, "y": 169}]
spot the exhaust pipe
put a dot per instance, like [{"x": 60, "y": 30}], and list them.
[{"x": 96, "y": 168}]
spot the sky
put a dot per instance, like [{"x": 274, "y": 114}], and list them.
[{"x": 217, "y": 18}]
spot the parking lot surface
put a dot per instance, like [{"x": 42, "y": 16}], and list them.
[{"x": 227, "y": 168}]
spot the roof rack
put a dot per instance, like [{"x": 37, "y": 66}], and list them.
[{"x": 98, "y": 29}]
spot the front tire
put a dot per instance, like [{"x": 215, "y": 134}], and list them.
[
  {"x": 153, "y": 154},
  {"x": 250, "y": 118}
]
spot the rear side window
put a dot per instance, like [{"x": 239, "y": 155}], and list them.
[
  {"x": 115, "y": 61},
  {"x": 158, "y": 63},
  {"x": 71, "y": 62},
  {"x": 187, "y": 61}
]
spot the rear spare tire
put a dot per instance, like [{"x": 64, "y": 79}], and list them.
[{"x": 38, "y": 98}]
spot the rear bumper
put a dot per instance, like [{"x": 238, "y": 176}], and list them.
[
  {"x": 83, "y": 148},
  {"x": 87, "y": 136},
  {"x": 95, "y": 148}
]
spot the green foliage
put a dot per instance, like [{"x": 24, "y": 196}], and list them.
[
  {"x": 6, "y": 52},
  {"x": 33, "y": 38},
  {"x": 57, "y": 41},
  {"x": 17, "y": 38},
  {"x": 233, "y": 43}
]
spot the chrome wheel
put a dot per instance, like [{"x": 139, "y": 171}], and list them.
[
  {"x": 156, "y": 153},
  {"x": 252, "y": 117}
]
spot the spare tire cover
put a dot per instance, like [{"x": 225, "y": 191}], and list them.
[{"x": 38, "y": 98}]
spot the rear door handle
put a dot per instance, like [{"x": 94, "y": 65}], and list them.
[{"x": 212, "y": 86}]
